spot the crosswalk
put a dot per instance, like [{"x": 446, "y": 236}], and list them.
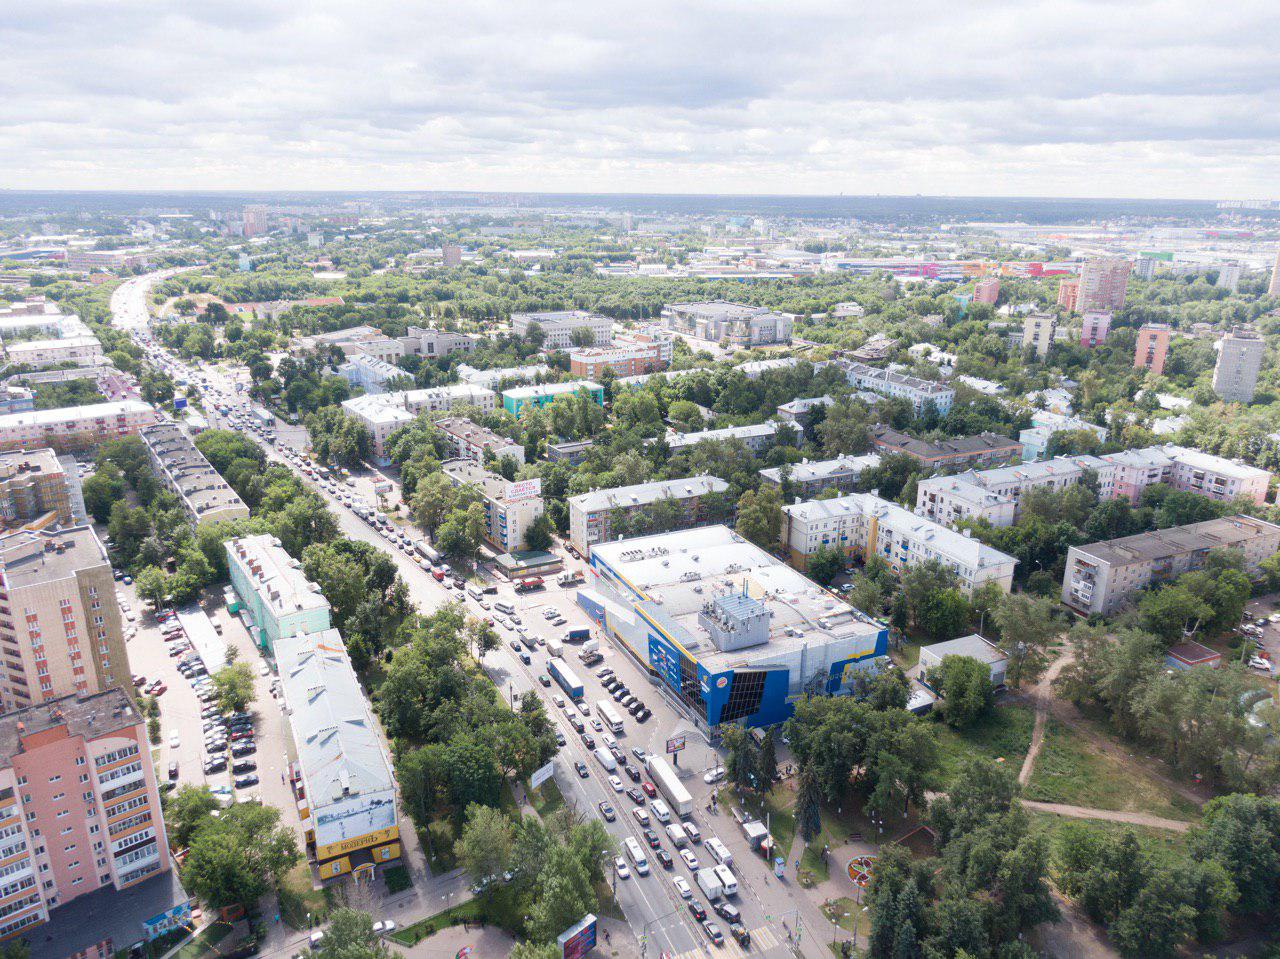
[{"x": 763, "y": 938}]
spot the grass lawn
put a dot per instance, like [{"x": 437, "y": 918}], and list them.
[
  {"x": 297, "y": 898},
  {"x": 1161, "y": 844},
  {"x": 1004, "y": 733},
  {"x": 546, "y": 799},
  {"x": 846, "y": 913},
  {"x": 1071, "y": 770},
  {"x": 502, "y": 907},
  {"x": 204, "y": 942}
]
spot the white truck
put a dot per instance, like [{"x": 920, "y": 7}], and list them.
[
  {"x": 555, "y": 648},
  {"x": 672, "y": 789},
  {"x": 677, "y": 835},
  {"x": 709, "y": 883}
]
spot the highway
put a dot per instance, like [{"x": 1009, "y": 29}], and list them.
[{"x": 652, "y": 905}]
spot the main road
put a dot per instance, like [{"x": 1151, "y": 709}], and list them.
[{"x": 660, "y": 918}]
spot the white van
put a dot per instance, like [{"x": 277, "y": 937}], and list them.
[
  {"x": 503, "y": 606},
  {"x": 691, "y": 830},
  {"x": 474, "y": 591},
  {"x": 660, "y": 810},
  {"x": 637, "y": 857},
  {"x": 719, "y": 851},
  {"x": 727, "y": 879},
  {"x": 605, "y": 759},
  {"x": 677, "y": 835}
]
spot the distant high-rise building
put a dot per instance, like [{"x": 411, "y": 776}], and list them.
[
  {"x": 1229, "y": 277},
  {"x": 1095, "y": 327},
  {"x": 1144, "y": 268},
  {"x": 254, "y": 219},
  {"x": 315, "y": 240},
  {"x": 452, "y": 255},
  {"x": 1273, "y": 288},
  {"x": 1153, "y": 347},
  {"x": 1235, "y": 375},
  {"x": 1068, "y": 293},
  {"x": 986, "y": 291},
  {"x": 1038, "y": 331},
  {"x": 1103, "y": 284}
]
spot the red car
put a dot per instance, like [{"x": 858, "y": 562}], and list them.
[
  {"x": 649, "y": 790},
  {"x": 159, "y": 690},
  {"x": 437, "y": 576}
]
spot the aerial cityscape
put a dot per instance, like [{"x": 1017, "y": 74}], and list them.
[{"x": 467, "y": 492}]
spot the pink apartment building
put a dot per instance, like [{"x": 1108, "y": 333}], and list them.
[
  {"x": 1095, "y": 327},
  {"x": 1152, "y": 348},
  {"x": 987, "y": 291},
  {"x": 1068, "y": 290},
  {"x": 79, "y": 806},
  {"x": 1204, "y": 474}
]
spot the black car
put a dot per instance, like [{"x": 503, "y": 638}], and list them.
[
  {"x": 632, "y": 773},
  {"x": 696, "y": 909},
  {"x": 663, "y": 857},
  {"x": 582, "y": 769},
  {"x": 643, "y": 715},
  {"x": 247, "y": 780},
  {"x": 526, "y": 658},
  {"x": 515, "y": 647},
  {"x": 588, "y": 740},
  {"x": 241, "y": 766},
  {"x": 560, "y": 740},
  {"x": 245, "y": 747},
  {"x": 606, "y": 810},
  {"x": 545, "y": 680},
  {"x": 652, "y": 839},
  {"x": 727, "y": 911},
  {"x": 636, "y": 796},
  {"x": 635, "y": 707},
  {"x": 739, "y": 932},
  {"x": 215, "y": 765},
  {"x": 173, "y": 770}
]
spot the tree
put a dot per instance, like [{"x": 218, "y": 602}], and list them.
[
  {"x": 1242, "y": 833},
  {"x": 1154, "y": 923},
  {"x": 1171, "y": 611},
  {"x": 484, "y": 848},
  {"x": 808, "y": 805},
  {"x": 349, "y": 935},
  {"x": 760, "y": 516},
  {"x": 233, "y": 686},
  {"x": 965, "y": 686},
  {"x": 483, "y": 637},
  {"x": 538, "y": 536},
  {"x": 152, "y": 585},
  {"x": 767, "y": 762},
  {"x": 741, "y": 763},
  {"x": 1027, "y": 625},
  {"x": 562, "y": 895},
  {"x": 103, "y": 490},
  {"x": 825, "y": 564},
  {"x": 185, "y": 811},
  {"x": 527, "y": 949},
  {"x": 235, "y": 858}
]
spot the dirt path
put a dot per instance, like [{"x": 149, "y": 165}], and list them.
[
  {"x": 1041, "y": 695},
  {"x": 1108, "y": 815}
]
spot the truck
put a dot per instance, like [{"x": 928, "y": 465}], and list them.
[
  {"x": 677, "y": 835},
  {"x": 528, "y": 584},
  {"x": 563, "y": 675},
  {"x": 570, "y": 579},
  {"x": 577, "y": 635},
  {"x": 427, "y": 551},
  {"x": 669, "y": 785},
  {"x": 709, "y": 883},
  {"x": 555, "y": 648},
  {"x": 590, "y": 646}
]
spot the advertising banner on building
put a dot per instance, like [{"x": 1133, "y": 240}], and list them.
[{"x": 579, "y": 939}]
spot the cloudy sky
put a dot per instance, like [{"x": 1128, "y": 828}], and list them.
[{"x": 1015, "y": 97}]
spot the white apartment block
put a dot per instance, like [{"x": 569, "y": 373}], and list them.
[
  {"x": 380, "y": 418},
  {"x": 861, "y": 525},
  {"x": 370, "y": 373},
  {"x": 385, "y": 413},
  {"x": 900, "y": 385},
  {"x": 591, "y": 514},
  {"x": 205, "y": 496},
  {"x": 557, "y": 327},
  {"x": 807, "y": 479},
  {"x": 469, "y": 441},
  {"x": 1235, "y": 375},
  {"x": 491, "y": 379},
  {"x": 1038, "y": 332},
  {"x": 756, "y": 437},
  {"x": 74, "y": 429},
  {"x": 39, "y": 354},
  {"x": 510, "y": 508}
]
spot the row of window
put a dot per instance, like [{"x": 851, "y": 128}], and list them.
[{"x": 114, "y": 774}]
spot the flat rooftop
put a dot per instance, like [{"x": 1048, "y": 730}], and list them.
[
  {"x": 99, "y": 714},
  {"x": 71, "y": 414},
  {"x": 32, "y": 557},
  {"x": 624, "y": 497},
  {"x": 721, "y": 309},
  {"x": 818, "y": 470},
  {"x": 467, "y": 472},
  {"x": 16, "y": 463},
  {"x": 974, "y": 646},
  {"x": 674, "y": 575},
  {"x": 676, "y": 440},
  {"x": 277, "y": 577},
  {"x": 1229, "y": 531},
  {"x": 549, "y": 389}
]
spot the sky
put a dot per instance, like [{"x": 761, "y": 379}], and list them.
[{"x": 1166, "y": 99}]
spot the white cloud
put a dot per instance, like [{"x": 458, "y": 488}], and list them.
[{"x": 1046, "y": 97}]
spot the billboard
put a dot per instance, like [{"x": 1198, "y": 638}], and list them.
[
  {"x": 524, "y": 489},
  {"x": 170, "y": 919},
  {"x": 675, "y": 744},
  {"x": 355, "y": 817},
  {"x": 542, "y": 775},
  {"x": 579, "y": 939}
]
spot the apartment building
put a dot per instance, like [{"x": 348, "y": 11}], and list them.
[
  {"x": 984, "y": 449},
  {"x": 79, "y": 807},
  {"x": 1213, "y": 477},
  {"x": 1235, "y": 375},
  {"x": 557, "y": 327},
  {"x": 510, "y": 508},
  {"x": 276, "y": 598},
  {"x": 205, "y": 496},
  {"x": 518, "y": 397},
  {"x": 736, "y": 324},
  {"x": 370, "y": 373},
  {"x": 1152, "y": 347},
  {"x": 16, "y": 399},
  {"x": 430, "y": 342},
  {"x": 1039, "y": 330},
  {"x": 347, "y": 794},
  {"x": 807, "y": 479},
  {"x": 385, "y": 413},
  {"x": 1044, "y": 423},
  {"x": 799, "y": 412},
  {"x": 995, "y": 495},
  {"x": 39, "y": 354},
  {"x": 1104, "y": 281},
  {"x": 918, "y": 392},
  {"x": 1273, "y": 286},
  {"x": 33, "y": 485},
  {"x": 492, "y": 379},
  {"x": 628, "y": 356},
  {"x": 756, "y": 437},
  {"x": 1094, "y": 327},
  {"x": 90, "y": 261},
  {"x": 60, "y": 630},
  {"x": 592, "y": 515},
  {"x": 1102, "y": 577},
  {"x": 1068, "y": 293},
  {"x": 380, "y": 418},
  {"x": 469, "y": 441},
  {"x": 987, "y": 291},
  {"x": 861, "y": 526},
  {"x": 74, "y": 429}
]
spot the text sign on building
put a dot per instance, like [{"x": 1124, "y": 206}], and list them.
[
  {"x": 579, "y": 939},
  {"x": 524, "y": 489},
  {"x": 542, "y": 775},
  {"x": 170, "y": 919},
  {"x": 675, "y": 744}
]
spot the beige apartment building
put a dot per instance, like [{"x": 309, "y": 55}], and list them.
[
  {"x": 33, "y": 485},
  {"x": 60, "y": 630}
]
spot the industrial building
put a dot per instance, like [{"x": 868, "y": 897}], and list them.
[{"x": 730, "y": 633}]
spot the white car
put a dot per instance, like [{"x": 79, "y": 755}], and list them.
[
  {"x": 385, "y": 927},
  {"x": 174, "y": 740},
  {"x": 689, "y": 858},
  {"x": 616, "y": 783},
  {"x": 682, "y": 887},
  {"x": 714, "y": 775},
  {"x": 1257, "y": 662},
  {"x": 620, "y": 865}
]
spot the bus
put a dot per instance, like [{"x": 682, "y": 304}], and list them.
[
  {"x": 637, "y": 856},
  {"x": 609, "y": 716}
]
